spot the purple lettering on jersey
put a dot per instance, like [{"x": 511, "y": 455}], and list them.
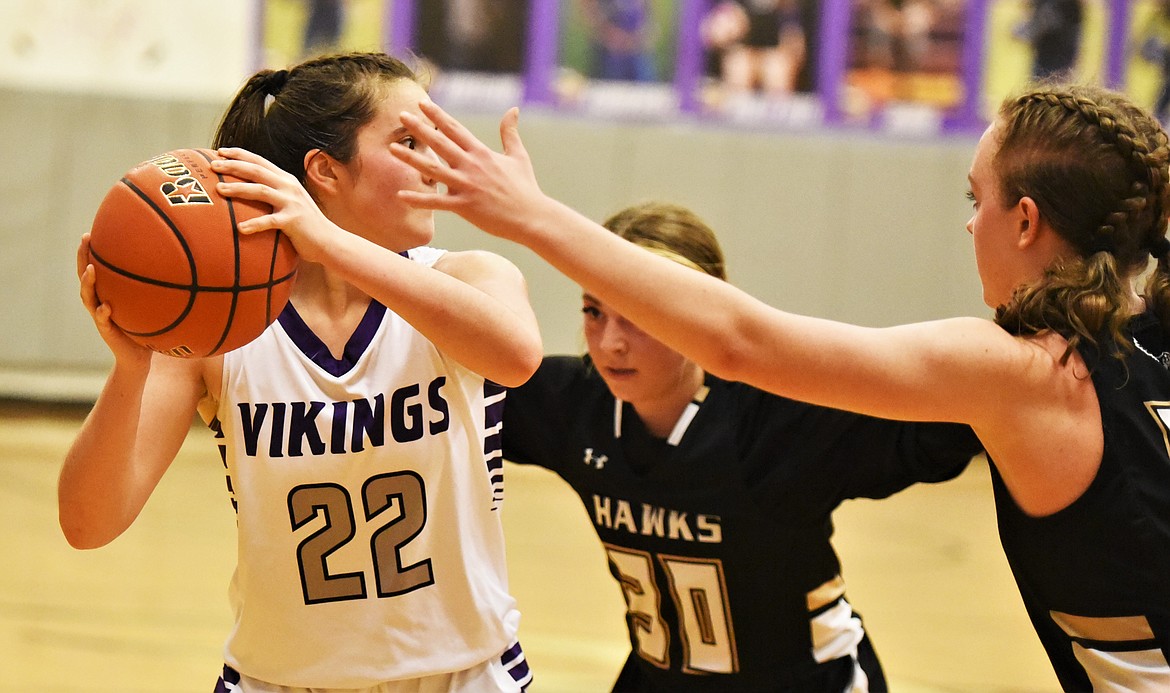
[
  {"x": 250, "y": 424},
  {"x": 302, "y": 428},
  {"x": 406, "y": 422},
  {"x": 438, "y": 404},
  {"x": 297, "y": 429},
  {"x": 368, "y": 422}
]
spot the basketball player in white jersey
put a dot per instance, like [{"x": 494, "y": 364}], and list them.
[{"x": 359, "y": 433}]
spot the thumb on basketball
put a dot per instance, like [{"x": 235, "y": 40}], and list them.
[{"x": 102, "y": 314}]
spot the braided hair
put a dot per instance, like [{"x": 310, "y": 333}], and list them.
[
  {"x": 319, "y": 104},
  {"x": 1096, "y": 166}
]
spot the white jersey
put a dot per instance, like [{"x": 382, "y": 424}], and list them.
[{"x": 367, "y": 491}]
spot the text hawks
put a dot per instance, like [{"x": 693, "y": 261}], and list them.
[
  {"x": 295, "y": 429},
  {"x": 618, "y": 514}
]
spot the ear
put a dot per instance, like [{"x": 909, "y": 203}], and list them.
[
  {"x": 322, "y": 172},
  {"x": 1028, "y": 218}
]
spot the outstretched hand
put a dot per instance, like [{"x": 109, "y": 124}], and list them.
[{"x": 496, "y": 192}]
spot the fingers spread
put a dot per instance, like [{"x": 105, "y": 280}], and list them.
[
  {"x": 424, "y": 200},
  {"x": 435, "y": 139},
  {"x": 450, "y": 127},
  {"x": 426, "y": 164}
]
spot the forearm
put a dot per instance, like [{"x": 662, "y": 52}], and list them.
[
  {"x": 96, "y": 493},
  {"x": 125, "y": 445},
  {"x": 490, "y": 330},
  {"x": 691, "y": 312}
]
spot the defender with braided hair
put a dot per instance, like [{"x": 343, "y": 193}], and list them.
[{"x": 1067, "y": 389}]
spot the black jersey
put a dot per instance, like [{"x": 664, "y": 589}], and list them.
[
  {"x": 720, "y": 535},
  {"x": 1095, "y": 576}
]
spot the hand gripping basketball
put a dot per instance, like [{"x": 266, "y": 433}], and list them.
[{"x": 171, "y": 264}]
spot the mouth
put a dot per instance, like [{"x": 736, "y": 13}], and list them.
[{"x": 620, "y": 372}]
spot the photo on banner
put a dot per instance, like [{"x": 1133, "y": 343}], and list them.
[
  {"x": 617, "y": 58},
  {"x": 293, "y": 30},
  {"x": 476, "y": 50},
  {"x": 1029, "y": 40},
  {"x": 904, "y": 68},
  {"x": 759, "y": 61},
  {"x": 1147, "y": 47}
]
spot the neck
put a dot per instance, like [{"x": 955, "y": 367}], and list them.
[
  {"x": 317, "y": 288},
  {"x": 659, "y": 415}
]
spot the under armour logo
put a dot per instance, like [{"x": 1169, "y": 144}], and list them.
[{"x": 595, "y": 462}]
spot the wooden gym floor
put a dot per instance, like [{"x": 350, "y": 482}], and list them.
[{"x": 149, "y": 611}]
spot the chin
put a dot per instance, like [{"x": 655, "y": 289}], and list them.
[{"x": 414, "y": 238}]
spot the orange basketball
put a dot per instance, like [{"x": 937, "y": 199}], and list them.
[{"x": 178, "y": 276}]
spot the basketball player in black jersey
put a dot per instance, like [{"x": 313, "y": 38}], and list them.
[
  {"x": 713, "y": 499},
  {"x": 1067, "y": 388}
]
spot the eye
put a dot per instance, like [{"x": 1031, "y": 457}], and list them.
[
  {"x": 970, "y": 196},
  {"x": 408, "y": 142},
  {"x": 591, "y": 312}
]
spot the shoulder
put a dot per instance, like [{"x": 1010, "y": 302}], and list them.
[
  {"x": 748, "y": 401},
  {"x": 562, "y": 375},
  {"x": 469, "y": 263},
  {"x": 562, "y": 387}
]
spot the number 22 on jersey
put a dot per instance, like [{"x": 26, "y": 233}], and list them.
[{"x": 396, "y": 501}]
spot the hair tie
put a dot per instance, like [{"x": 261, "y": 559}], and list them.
[
  {"x": 1160, "y": 248},
  {"x": 1101, "y": 244},
  {"x": 275, "y": 82}
]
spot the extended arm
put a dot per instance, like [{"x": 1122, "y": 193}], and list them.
[
  {"x": 928, "y": 371},
  {"x": 1033, "y": 411}
]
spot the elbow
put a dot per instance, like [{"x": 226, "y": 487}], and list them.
[
  {"x": 736, "y": 347},
  {"x": 522, "y": 365},
  {"x": 729, "y": 360},
  {"x": 81, "y": 535},
  {"x": 84, "y": 529}
]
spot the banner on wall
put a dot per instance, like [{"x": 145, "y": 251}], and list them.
[
  {"x": 901, "y": 66},
  {"x": 919, "y": 67}
]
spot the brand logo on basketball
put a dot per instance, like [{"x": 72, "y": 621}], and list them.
[
  {"x": 170, "y": 262},
  {"x": 185, "y": 189}
]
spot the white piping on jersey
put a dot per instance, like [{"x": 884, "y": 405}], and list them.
[
  {"x": 680, "y": 426},
  {"x": 1161, "y": 361}
]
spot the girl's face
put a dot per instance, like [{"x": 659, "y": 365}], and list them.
[
  {"x": 636, "y": 367},
  {"x": 993, "y": 226},
  {"x": 368, "y": 203}
]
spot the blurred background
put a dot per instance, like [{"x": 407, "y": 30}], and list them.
[{"x": 827, "y": 141}]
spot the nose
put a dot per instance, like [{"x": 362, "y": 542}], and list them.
[{"x": 613, "y": 337}]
